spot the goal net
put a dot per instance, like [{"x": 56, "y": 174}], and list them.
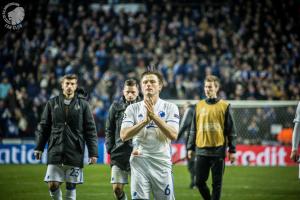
[{"x": 257, "y": 122}]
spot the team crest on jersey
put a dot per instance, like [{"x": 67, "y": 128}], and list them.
[
  {"x": 124, "y": 115},
  {"x": 162, "y": 114}
]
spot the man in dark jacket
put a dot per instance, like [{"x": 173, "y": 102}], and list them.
[
  {"x": 184, "y": 130},
  {"x": 211, "y": 132},
  {"x": 66, "y": 125},
  {"x": 120, "y": 151}
]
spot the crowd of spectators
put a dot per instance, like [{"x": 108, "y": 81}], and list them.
[
  {"x": 252, "y": 46},
  {"x": 262, "y": 124}
]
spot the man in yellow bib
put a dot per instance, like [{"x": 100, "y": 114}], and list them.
[{"x": 212, "y": 131}]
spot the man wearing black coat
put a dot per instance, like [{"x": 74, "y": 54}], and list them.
[
  {"x": 67, "y": 124},
  {"x": 120, "y": 151},
  {"x": 184, "y": 130}
]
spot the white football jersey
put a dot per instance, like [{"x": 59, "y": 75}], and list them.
[{"x": 150, "y": 141}]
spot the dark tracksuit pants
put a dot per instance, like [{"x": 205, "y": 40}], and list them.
[
  {"x": 191, "y": 168},
  {"x": 202, "y": 167}
]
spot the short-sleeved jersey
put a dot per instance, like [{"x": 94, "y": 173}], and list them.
[{"x": 150, "y": 141}]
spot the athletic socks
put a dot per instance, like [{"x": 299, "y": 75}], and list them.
[
  {"x": 71, "y": 194},
  {"x": 56, "y": 194}
]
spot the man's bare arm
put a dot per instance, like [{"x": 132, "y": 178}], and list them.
[
  {"x": 129, "y": 132},
  {"x": 169, "y": 131}
]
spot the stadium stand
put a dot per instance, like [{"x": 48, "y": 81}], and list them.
[{"x": 252, "y": 46}]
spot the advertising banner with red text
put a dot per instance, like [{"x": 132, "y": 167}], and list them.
[
  {"x": 259, "y": 155},
  {"x": 246, "y": 155}
]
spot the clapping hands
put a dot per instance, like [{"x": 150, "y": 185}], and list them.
[{"x": 150, "y": 108}]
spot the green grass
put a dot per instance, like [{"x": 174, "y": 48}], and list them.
[{"x": 240, "y": 183}]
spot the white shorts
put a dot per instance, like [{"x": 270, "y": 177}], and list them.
[
  {"x": 148, "y": 176},
  {"x": 118, "y": 175},
  {"x": 64, "y": 173}
]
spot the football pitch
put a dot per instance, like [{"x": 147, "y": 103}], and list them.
[{"x": 240, "y": 183}]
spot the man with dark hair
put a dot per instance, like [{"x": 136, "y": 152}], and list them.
[
  {"x": 211, "y": 131},
  {"x": 152, "y": 124},
  {"x": 67, "y": 124},
  {"x": 120, "y": 151}
]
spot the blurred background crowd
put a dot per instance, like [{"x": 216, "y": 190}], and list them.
[{"x": 253, "y": 46}]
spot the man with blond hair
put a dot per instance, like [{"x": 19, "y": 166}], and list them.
[{"x": 211, "y": 132}]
